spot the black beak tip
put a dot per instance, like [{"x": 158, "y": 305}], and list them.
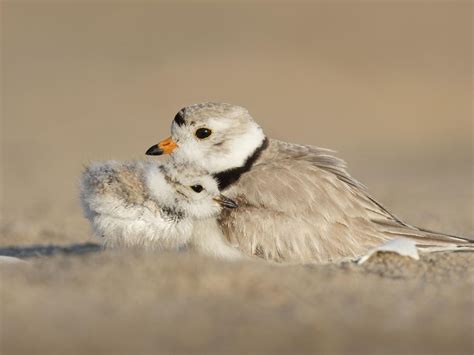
[
  {"x": 154, "y": 150},
  {"x": 229, "y": 203},
  {"x": 232, "y": 205}
]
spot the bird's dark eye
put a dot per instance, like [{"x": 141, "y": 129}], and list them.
[
  {"x": 202, "y": 133},
  {"x": 197, "y": 188}
]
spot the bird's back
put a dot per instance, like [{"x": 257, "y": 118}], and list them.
[
  {"x": 123, "y": 181},
  {"x": 298, "y": 203}
]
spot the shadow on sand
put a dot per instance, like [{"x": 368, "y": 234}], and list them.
[{"x": 49, "y": 250}]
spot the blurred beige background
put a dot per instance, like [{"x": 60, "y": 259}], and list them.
[{"x": 388, "y": 85}]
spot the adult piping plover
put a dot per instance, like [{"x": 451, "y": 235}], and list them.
[
  {"x": 296, "y": 202},
  {"x": 156, "y": 206}
]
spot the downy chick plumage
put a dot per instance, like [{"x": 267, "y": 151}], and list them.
[{"x": 155, "y": 206}]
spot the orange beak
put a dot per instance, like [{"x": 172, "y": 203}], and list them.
[{"x": 166, "y": 146}]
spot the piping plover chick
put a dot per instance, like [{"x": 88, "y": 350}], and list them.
[
  {"x": 156, "y": 206},
  {"x": 297, "y": 203}
]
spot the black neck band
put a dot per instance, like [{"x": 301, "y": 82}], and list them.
[{"x": 228, "y": 177}]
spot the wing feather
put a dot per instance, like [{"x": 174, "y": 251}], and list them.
[{"x": 300, "y": 204}]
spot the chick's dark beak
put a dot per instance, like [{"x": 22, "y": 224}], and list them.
[{"x": 225, "y": 201}]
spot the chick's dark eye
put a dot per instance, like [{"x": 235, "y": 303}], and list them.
[
  {"x": 202, "y": 133},
  {"x": 197, "y": 188}
]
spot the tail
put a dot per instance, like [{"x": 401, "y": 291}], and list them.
[
  {"x": 424, "y": 238},
  {"x": 394, "y": 227}
]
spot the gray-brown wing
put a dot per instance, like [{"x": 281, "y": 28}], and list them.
[{"x": 306, "y": 207}]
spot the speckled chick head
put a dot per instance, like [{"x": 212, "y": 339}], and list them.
[
  {"x": 214, "y": 136},
  {"x": 190, "y": 192}
]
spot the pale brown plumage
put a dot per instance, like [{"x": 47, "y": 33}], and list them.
[{"x": 298, "y": 203}]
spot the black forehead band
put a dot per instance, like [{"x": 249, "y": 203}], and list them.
[{"x": 179, "y": 118}]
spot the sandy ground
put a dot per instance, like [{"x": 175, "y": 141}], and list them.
[
  {"x": 132, "y": 303},
  {"x": 388, "y": 85}
]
